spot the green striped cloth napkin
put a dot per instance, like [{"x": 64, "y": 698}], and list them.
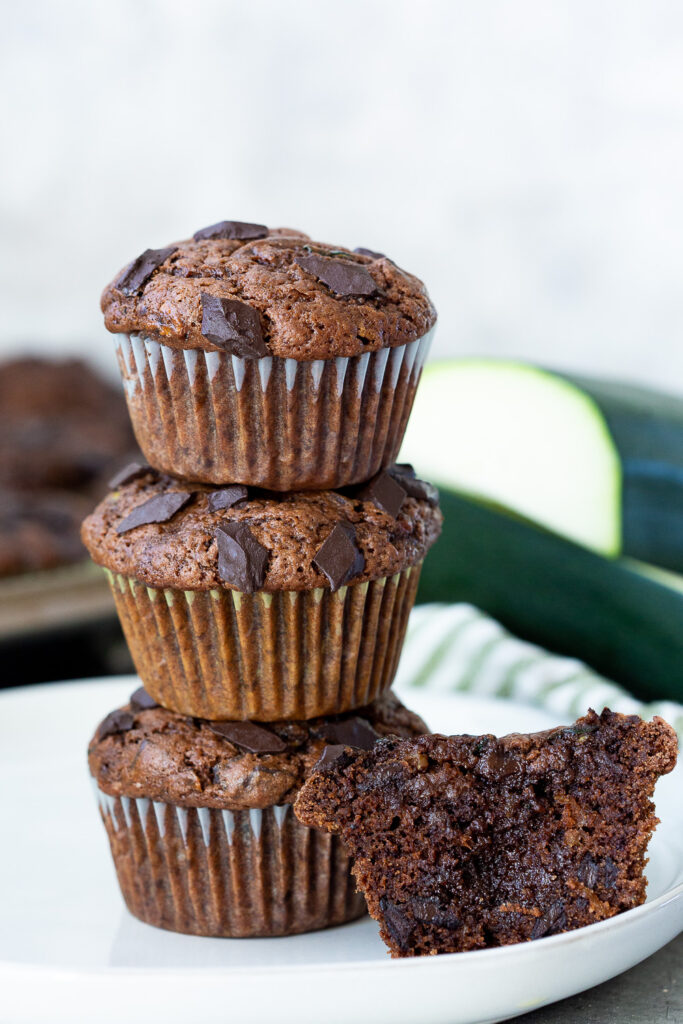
[{"x": 457, "y": 648}]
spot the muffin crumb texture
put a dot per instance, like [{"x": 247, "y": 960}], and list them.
[{"x": 465, "y": 842}]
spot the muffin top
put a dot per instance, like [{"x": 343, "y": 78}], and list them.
[
  {"x": 170, "y": 533},
  {"x": 143, "y": 750},
  {"x": 254, "y": 291}
]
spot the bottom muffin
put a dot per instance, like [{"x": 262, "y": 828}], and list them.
[{"x": 200, "y": 822}]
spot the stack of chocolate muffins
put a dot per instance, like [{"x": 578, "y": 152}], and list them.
[{"x": 264, "y": 565}]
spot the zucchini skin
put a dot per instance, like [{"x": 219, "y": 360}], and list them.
[
  {"x": 647, "y": 428},
  {"x": 559, "y": 595}
]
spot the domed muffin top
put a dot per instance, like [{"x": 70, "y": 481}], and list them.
[
  {"x": 143, "y": 750},
  {"x": 186, "y": 536},
  {"x": 254, "y": 291}
]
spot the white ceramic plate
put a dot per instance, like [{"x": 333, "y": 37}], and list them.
[{"x": 70, "y": 952}]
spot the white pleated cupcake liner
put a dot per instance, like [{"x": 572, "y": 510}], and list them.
[
  {"x": 222, "y": 654},
  {"x": 276, "y": 423},
  {"x": 207, "y": 871}
]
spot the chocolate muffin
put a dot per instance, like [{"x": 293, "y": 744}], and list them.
[
  {"x": 256, "y": 356},
  {"x": 240, "y": 604},
  {"x": 200, "y": 824},
  {"x": 63, "y": 429},
  {"x": 463, "y": 842}
]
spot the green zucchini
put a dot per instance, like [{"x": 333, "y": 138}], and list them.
[
  {"x": 624, "y": 621},
  {"x": 598, "y": 462}
]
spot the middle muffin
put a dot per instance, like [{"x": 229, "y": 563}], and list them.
[{"x": 242, "y": 604}]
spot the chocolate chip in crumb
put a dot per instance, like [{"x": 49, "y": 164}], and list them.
[
  {"x": 552, "y": 921},
  {"x": 350, "y": 732},
  {"x": 159, "y": 509},
  {"x": 232, "y": 326},
  {"x": 330, "y": 755},
  {"x": 115, "y": 722},
  {"x": 141, "y": 269},
  {"x": 385, "y": 492},
  {"x": 255, "y": 739},
  {"x": 242, "y": 560},
  {"x": 226, "y": 497},
  {"x": 140, "y": 700},
  {"x": 370, "y": 252},
  {"x": 341, "y": 276},
  {"x": 339, "y": 558},
  {"x": 232, "y": 229},
  {"x": 128, "y": 473}
]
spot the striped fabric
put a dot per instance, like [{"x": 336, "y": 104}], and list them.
[{"x": 456, "y": 648}]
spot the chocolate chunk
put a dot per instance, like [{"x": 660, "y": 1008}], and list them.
[
  {"x": 369, "y": 252},
  {"x": 339, "y": 558},
  {"x": 158, "y": 509},
  {"x": 140, "y": 270},
  {"x": 610, "y": 873},
  {"x": 128, "y": 473},
  {"x": 227, "y": 497},
  {"x": 255, "y": 739},
  {"x": 351, "y": 732},
  {"x": 242, "y": 560},
  {"x": 385, "y": 492},
  {"x": 341, "y": 276},
  {"x": 397, "y": 923},
  {"x": 141, "y": 700},
  {"x": 330, "y": 755},
  {"x": 231, "y": 229},
  {"x": 403, "y": 469},
  {"x": 588, "y": 872},
  {"x": 432, "y": 912},
  {"x": 114, "y": 723},
  {"x": 233, "y": 326},
  {"x": 404, "y": 474},
  {"x": 552, "y": 921}
]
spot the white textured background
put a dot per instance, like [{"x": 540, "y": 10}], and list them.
[{"x": 525, "y": 158}]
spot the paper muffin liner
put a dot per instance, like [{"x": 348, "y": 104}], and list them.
[
  {"x": 277, "y": 423},
  {"x": 222, "y": 654},
  {"x": 227, "y": 873}
]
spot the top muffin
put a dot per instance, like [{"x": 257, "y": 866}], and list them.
[{"x": 283, "y": 294}]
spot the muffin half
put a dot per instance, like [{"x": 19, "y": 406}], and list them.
[
  {"x": 258, "y": 356},
  {"x": 242, "y": 605},
  {"x": 200, "y": 823}
]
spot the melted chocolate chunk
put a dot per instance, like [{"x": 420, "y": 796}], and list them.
[
  {"x": 140, "y": 700},
  {"x": 432, "y": 912},
  {"x": 130, "y": 472},
  {"x": 158, "y": 509},
  {"x": 232, "y": 229},
  {"x": 351, "y": 732},
  {"x": 385, "y": 492},
  {"x": 115, "y": 722},
  {"x": 339, "y": 558},
  {"x": 227, "y": 497},
  {"x": 610, "y": 873},
  {"x": 369, "y": 252},
  {"x": 255, "y": 739},
  {"x": 551, "y": 922},
  {"x": 242, "y": 561},
  {"x": 404, "y": 474},
  {"x": 399, "y": 925},
  {"x": 340, "y": 276},
  {"x": 588, "y": 872},
  {"x": 232, "y": 326},
  {"x": 140, "y": 270}
]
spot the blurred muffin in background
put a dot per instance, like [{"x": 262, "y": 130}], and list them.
[{"x": 64, "y": 430}]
